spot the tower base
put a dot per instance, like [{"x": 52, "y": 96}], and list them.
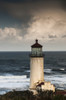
[{"x": 44, "y": 86}]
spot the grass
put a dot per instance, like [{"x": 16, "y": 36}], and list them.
[{"x": 27, "y": 95}]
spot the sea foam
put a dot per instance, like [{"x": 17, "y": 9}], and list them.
[{"x": 13, "y": 82}]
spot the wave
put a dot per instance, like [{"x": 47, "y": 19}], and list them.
[
  {"x": 13, "y": 82},
  {"x": 27, "y": 71},
  {"x": 51, "y": 71},
  {"x": 58, "y": 80},
  {"x": 47, "y": 70},
  {"x": 62, "y": 63},
  {"x": 62, "y": 69},
  {"x": 8, "y": 82},
  {"x": 6, "y": 74},
  {"x": 58, "y": 69}
]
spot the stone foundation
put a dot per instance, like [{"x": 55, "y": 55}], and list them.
[
  {"x": 48, "y": 86},
  {"x": 44, "y": 86}
]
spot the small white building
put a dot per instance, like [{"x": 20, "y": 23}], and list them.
[{"x": 37, "y": 69}]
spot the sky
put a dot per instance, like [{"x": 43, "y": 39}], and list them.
[{"x": 23, "y": 21}]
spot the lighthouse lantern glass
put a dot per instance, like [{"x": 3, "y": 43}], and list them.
[{"x": 36, "y": 51}]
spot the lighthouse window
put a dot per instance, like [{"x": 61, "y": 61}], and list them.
[{"x": 36, "y": 51}]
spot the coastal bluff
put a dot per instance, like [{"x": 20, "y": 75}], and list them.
[{"x": 28, "y": 95}]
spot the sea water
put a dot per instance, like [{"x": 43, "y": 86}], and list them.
[{"x": 15, "y": 70}]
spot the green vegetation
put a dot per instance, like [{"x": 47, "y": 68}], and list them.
[{"x": 27, "y": 95}]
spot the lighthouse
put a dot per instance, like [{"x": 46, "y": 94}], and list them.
[
  {"x": 37, "y": 69},
  {"x": 36, "y": 65}
]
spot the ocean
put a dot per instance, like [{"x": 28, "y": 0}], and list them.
[{"x": 15, "y": 70}]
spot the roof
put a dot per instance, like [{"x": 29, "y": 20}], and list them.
[{"x": 36, "y": 45}]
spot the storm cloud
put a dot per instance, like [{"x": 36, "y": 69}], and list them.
[
  {"x": 64, "y": 36},
  {"x": 31, "y": 19}
]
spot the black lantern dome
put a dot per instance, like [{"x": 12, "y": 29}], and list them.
[{"x": 36, "y": 45}]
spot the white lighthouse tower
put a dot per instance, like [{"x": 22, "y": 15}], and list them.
[
  {"x": 36, "y": 65},
  {"x": 37, "y": 69}
]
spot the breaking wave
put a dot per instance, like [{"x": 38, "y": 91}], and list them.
[
  {"x": 10, "y": 82},
  {"x": 58, "y": 80}
]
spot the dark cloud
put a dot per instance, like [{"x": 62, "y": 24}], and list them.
[
  {"x": 63, "y": 3},
  {"x": 52, "y": 36},
  {"x": 36, "y": 3},
  {"x": 43, "y": 19},
  {"x": 24, "y": 9},
  {"x": 27, "y": 7},
  {"x": 64, "y": 36}
]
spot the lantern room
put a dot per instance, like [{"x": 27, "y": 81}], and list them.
[{"x": 36, "y": 49}]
